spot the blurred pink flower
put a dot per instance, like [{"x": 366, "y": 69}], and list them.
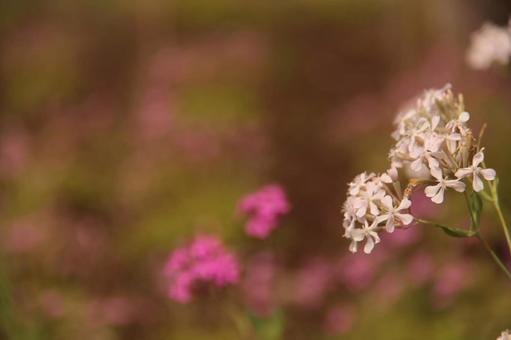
[
  {"x": 23, "y": 237},
  {"x": 420, "y": 268},
  {"x": 357, "y": 271},
  {"x": 422, "y": 206},
  {"x": 52, "y": 303},
  {"x": 14, "y": 152},
  {"x": 263, "y": 208},
  {"x": 390, "y": 287},
  {"x": 403, "y": 237},
  {"x": 258, "y": 283},
  {"x": 312, "y": 283},
  {"x": 205, "y": 259},
  {"x": 339, "y": 320},
  {"x": 453, "y": 278}
]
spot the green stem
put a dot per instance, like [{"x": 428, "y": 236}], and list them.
[
  {"x": 503, "y": 223},
  {"x": 494, "y": 256}
]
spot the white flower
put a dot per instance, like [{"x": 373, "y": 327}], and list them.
[
  {"x": 390, "y": 176},
  {"x": 367, "y": 200},
  {"x": 474, "y": 170},
  {"x": 436, "y": 192},
  {"x": 392, "y": 213},
  {"x": 359, "y": 182},
  {"x": 366, "y": 232},
  {"x": 505, "y": 335},
  {"x": 490, "y": 44}
]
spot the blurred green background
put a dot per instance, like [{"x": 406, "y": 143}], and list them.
[{"x": 126, "y": 127}]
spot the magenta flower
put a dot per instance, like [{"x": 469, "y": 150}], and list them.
[
  {"x": 259, "y": 283},
  {"x": 204, "y": 259},
  {"x": 264, "y": 207}
]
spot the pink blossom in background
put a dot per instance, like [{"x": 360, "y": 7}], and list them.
[
  {"x": 52, "y": 303},
  {"x": 14, "y": 152},
  {"x": 312, "y": 282},
  {"x": 403, "y": 237},
  {"x": 451, "y": 280},
  {"x": 390, "y": 287},
  {"x": 204, "y": 259},
  {"x": 422, "y": 206},
  {"x": 420, "y": 268},
  {"x": 264, "y": 207},
  {"x": 339, "y": 320},
  {"x": 357, "y": 270},
  {"x": 258, "y": 283},
  {"x": 24, "y": 236}
]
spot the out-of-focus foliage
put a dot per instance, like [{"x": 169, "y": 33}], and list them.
[{"x": 128, "y": 127}]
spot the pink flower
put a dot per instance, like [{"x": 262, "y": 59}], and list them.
[
  {"x": 312, "y": 283},
  {"x": 453, "y": 278},
  {"x": 204, "y": 259},
  {"x": 339, "y": 320},
  {"x": 420, "y": 268},
  {"x": 422, "y": 207},
  {"x": 403, "y": 238},
  {"x": 357, "y": 271},
  {"x": 390, "y": 287},
  {"x": 264, "y": 207},
  {"x": 258, "y": 283}
]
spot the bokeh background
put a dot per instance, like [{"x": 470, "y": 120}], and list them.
[{"x": 127, "y": 127}]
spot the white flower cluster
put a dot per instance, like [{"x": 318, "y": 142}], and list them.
[
  {"x": 433, "y": 145},
  {"x": 372, "y": 205},
  {"x": 433, "y": 140},
  {"x": 490, "y": 44},
  {"x": 506, "y": 335}
]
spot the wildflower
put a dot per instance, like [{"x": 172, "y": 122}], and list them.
[
  {"x": 490, "y": 44},
  {"x": 436, "y": 192},
  {"x": 433, "y": 143},
  {"x": 366, "y": 232},
  {"x": 442, "y": 143},
  {"x": 205, "y": 259},
  {"x": 474, "y": 170},
  {"x": 393, "y": 213},
  {"x": 264, "y": 207},
  {"x": 505, "y": 335},
  {"x": 373, "y": 200}
]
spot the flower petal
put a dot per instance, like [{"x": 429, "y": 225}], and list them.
[
  {"x": 436, "y": 173},
  {"x": 439, "y": 197},
  {"x": 368, "y": 248},
  {"x": 416, "y": 165},
  {"x": 488, "y": 174},
  {"x": 387, "y": 202},
  {"x": 463, "y": 172},
  {"x": 385, "y": 178},
  {"x": 357, "y": 235},
  {"x": 464, "y": 117},
  {"x": 478, "y": 158},
  {"x": 389, "y": 226},
  {"x": 405, "y": 218},
  {"x": 353, "y": 246},
  {"x": 456, "y": 185},
  {"x": 477, "y": 183},
  {"x": 405, "y": 204},
  {"x": 432, "y": 190}
]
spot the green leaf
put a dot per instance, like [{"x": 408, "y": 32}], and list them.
[
  {"x": 456, "y": 232},
  {"x": 476, "y": 205}
]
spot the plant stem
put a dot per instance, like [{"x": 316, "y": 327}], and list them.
[
  {"x": 494, "y": 256},
  {"x": 503, "y": 223}
]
